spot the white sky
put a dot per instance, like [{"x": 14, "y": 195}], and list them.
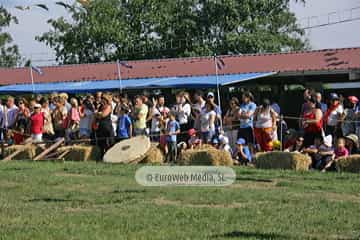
[{"x": 33, "y": 23}]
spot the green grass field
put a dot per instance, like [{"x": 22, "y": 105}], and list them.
[{"x": 44, "y": 200}]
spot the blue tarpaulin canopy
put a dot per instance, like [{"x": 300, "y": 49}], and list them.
[{"x": 170, "y": 82}]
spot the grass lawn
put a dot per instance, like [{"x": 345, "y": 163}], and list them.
[{"x": 44, "y": 200}]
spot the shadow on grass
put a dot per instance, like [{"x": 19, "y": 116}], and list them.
[
  {"x": 129, "y": 191},
  {"x": 244, "y": 235},
  {"x": 253, "y": 179},
  {"x": 16, "y": 169},
  {"x": 55, "y": 200}
]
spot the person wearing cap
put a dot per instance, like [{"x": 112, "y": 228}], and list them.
[
  {"x": 246, "y": 117},
  {"x": 37, "y": 123},
  {"x": 352, "y": 143},
  {"x": 215, "y": 143},
  {"x": 348, "y": 125},
  {"x": 224, "y": 144},
  {"x": 333, "y": 116},
  {"x": 242, "y": 154},
  {"x": 194, "y": 141}
]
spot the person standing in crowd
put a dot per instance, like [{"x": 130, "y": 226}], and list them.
[
  {"x": 98, "y": 100},
  {"x": 312, "y": 122},
  {"x": 37, "y": 124},
  {"x": 67, "y": 105},
  {"x": 231, "y": 121},
  {"x": 48, "y": 131},
  {"x": 348, "y": 125},
  {"x": 199, "y": 100},
  {"x": 86, "y": 113},
  {"x": 158, "y": 111},
  {"x": 218, "y": 119},
  {"x": 139, "y": 116},
  {"x": 52, "y": 98},
  {"x": 207, "y": 122},
  {"x": 59, "y": 116},
  {"x": 357, "y": 113},
  {"x": 124, "y": 129},
  {"x": 173, "y": 129},
  {"x": 11, "y": 113},
  {"x": 105, "y": 131},
  {"x": 23, "y": 116},
  {"x": 323, "y": 106},
  {"x": 333, "y": 116},
  {"x": 308, "y": 93},
  {"x": 73, "y": 119},
  {"x": 182, "y": 110},
  {"x": 275, "y": 106},
  {"x": 265, "y": 125},
  {"x": 246, "y": 116}
]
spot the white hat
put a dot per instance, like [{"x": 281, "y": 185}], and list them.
[
  {"x": 223, "y": 139},
  {"x": 37, "y": 105},
  {"x": 210, "y": 94},
  {"x": 328, "y": 141}
]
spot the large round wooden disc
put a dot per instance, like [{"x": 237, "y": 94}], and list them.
[{"x": 128, "y": 151}]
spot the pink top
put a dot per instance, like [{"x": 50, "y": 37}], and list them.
[
  {"x": 341, "y": 152},
  {"x": 75, "y": 115}
]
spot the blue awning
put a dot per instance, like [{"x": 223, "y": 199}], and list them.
[{"x": 107, "y": 85}]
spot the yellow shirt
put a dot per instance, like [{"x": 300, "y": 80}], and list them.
[{"x": 140, "y": 123}]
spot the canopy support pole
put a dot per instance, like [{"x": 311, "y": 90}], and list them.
[
  {"x": 218, "y": 87},
  {"x": 119, "y": 76}
]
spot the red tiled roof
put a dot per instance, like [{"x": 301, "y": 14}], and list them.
[{"x": 328, "y": 60}]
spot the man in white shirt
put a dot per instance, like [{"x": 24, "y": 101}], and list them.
[{"x": 11, "y": 113}]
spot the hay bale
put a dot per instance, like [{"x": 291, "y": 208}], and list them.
[
  {"x": 349, "y": 164},
  {"x": 154, "y": 155},
  {"x": 81, "y": 153},
  {"x": 283, "y": 160},
  {"x": 27, "y": 153},
  {"x": 205, "y": 157}
]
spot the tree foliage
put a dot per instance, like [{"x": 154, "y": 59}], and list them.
[
  {"x": 9, "y": 53},
  {"x": 141, "y": 29}
]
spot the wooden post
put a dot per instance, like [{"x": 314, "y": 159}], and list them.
[{"x": 50, "y": 149}]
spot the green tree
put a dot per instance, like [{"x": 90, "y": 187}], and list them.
[
  {"x": 9, "y": 53},
  {"x": 140, "y": 29}
]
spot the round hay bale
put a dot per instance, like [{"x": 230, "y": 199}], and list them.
[
  {"x": 154, "y": 155},
  {"x": 81, "y": 153},
  {"x": 349, "y": 164},
  {"x": 132, "y": 150},
  {"x": 282, "y": 160},
  {"x": 206, "y": 157},
  {"x": 27, "y": 153}
]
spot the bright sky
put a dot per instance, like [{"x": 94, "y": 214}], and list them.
[{"x": 33, "y": 23}]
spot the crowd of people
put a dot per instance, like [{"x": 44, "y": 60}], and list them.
[{"x": 326, "y": 131}]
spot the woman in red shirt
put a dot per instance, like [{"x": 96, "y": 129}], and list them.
[
  {"x": 312, "y": 122},
  {"x": 37, "y": 124}
]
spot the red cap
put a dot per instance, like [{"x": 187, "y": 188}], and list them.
[
  {"x": 353, "y": 99},
  {"x": 191, "y": 132}
]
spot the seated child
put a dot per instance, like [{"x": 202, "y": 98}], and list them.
[
  {"x": 323, "y": 154},
  {"x": 340, "y": 151},
  {"x": 194, "y": 141},
  {"x": 224, "y": 144},
  {"x": 242, "y": 154},
  {"x": 215, "y": 143},
  {"x": 297, "y": 146}
]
